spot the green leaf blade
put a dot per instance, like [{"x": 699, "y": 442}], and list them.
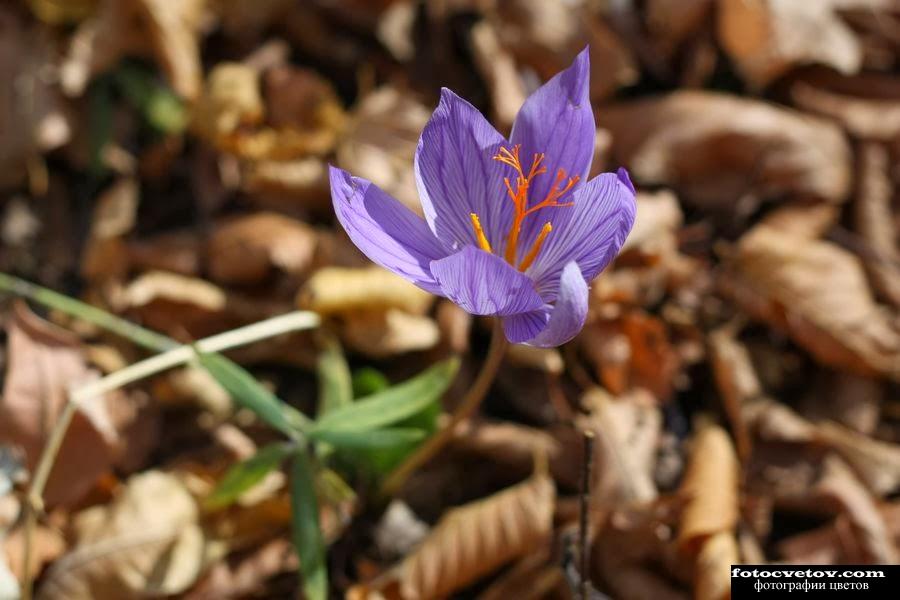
[
  {"x": 306, "y": 531},
  {"x": 249, "y": 393},
  {"x": 335, "y": 383},
  {"x": 244, "y": 475},
  {"x": 370, "y": 439},
  {"x": 394, "y": 404}
]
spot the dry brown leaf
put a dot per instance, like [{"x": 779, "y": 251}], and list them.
[
  {"x": 44, "y": 363},
  {"x": 838, "y": 485},
  {"x": 336, "y": 290},
  {"x": 817, "y": 293},
  {"x": 873, "y": 220},
  {"x": 547, "y": 35},
  {"x": 246, "y": 249},
  {"x": 722, "y": 151},
  {"x": 231, "y": 98},
  {"x": 31, "y": 113},
  {"x": 671, "y": 22},
  {"x": 737, "y": 383},
  {"x": 509, "y": 444},
  {"x": 46, "y": 546},
  {"x": 381, "y": 140},
  {"x": 712, "y": 574},
  {"x": 632, "y": 351},
  {"x": 498, "y": 70},
  {"x": 658, "y": 217},
  {"x": 867, "y": 106},
  {"x": 382, "y": 333},
  {"x": 710, "y": 487},
  {"x": 766, "y": 38},
  {"x": 115, "y": 215},
  {"x": 176, "y": 251},
  {"x": 472, "y": 541},
  {"x": 876, "y": 462},
  {"x": 548, "y": 360},
  {"x": 145, "y": 543},
  {"x": 627, "y": 430},
  {"x": 629, "y": 550},
  {"x": 247, "y": 577},
  {"x": 300, "y": 114},
  {"x": 165, "y": 31}
]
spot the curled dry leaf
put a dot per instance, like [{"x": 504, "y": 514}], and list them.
[
  {"x": 865, "y": 105},
  {"x": 632, "y": 351},
  {"x": 840, "y": 486},
  {"x": 336, "y": 290},
  {"x": 246, "y": 249},
  {"x": 712, "y": 574},
  {"x": 510, "y": 444},
  {"x": 145, "y": 543},
  {"x": 627, "y": 431},
  {"x": 381, "y": 140},
  {"x": 232, "y": 114},
  {"x": 737, "y": 383},
  {"x": 470, "y": 542},
  {"x": 166, "y": 32},
  {"x": 715, "y": 148},
  {"x": 766, "y": 38},
  {"x": 874, "y": 221},
  {"x": 382, "y": 333},
  {"x": 710, "y": 487},
  {"x": 44, "y": 363},
  {"x": 817, "y": 293}
]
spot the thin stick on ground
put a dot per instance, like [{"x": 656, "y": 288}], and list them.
[
  {"x": 470, "y": 403},
  {"x": 587, "y": 466},
  {"x": 177, "y": 356}
]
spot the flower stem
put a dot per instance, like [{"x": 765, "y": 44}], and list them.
[
  {"x": 470, "y": 403},
  {"x": 178, "y": 355}
]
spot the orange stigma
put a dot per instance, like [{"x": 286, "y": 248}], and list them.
[{"x": 519, "y": 197}]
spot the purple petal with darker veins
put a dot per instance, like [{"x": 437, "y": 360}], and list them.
[
  {"x": 591, "y": 232},
  {"x": 456, "y": 174},
  {"x": 557, "y": 120},
  {"x": 387, "y": 232},
  {"x": 565, "y": 319},
  {"x": 484, "y": 284}
]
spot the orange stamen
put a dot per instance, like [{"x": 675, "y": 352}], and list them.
[
  {"x": 519, "y": 196},
  {"x": 536, "y": 247},
  {"x": 483, "y": 242}
]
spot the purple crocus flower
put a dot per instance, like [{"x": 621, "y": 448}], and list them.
[{"x": 511, "y": 227}]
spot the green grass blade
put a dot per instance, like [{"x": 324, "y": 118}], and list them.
[
  {"x": 369, "y": 439},
  {"x": 393, "y": 404},
  {"x": 244, "y": 475},
  {"x": 248, "y": 392},
  {"x": 306, "y": 531},
  {"x": 335, "y": 386}
]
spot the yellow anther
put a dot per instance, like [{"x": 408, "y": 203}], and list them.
[
  {"x": 536, "y": 247},
  {"x": 483, "y": 242}
]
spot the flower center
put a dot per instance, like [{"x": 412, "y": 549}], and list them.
[{"x": 520, "y": 200}]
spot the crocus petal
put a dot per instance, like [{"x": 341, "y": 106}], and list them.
[
  {"x": 556, "y": 120},
  {"x": 484, "y": 284},
  {"x": 387, "y": 232},
  {"x": 591, "y": 232},
  {"x": 565, "y": 319},
  {"x": 456, "y": 174}
]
